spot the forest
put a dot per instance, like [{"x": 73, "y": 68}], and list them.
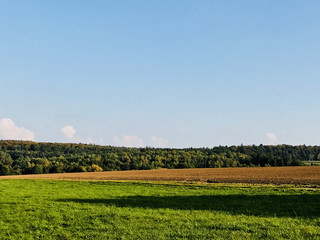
[{"x": 27, "y": 157}]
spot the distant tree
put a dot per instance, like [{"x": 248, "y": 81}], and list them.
[
  {"x": 6, "y": 170},
  {"x": 95, "y": 168},
  {"x": 25, "y": 157},
  {"x": 5, "y": 158}
]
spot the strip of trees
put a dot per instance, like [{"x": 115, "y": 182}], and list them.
[{"x": 26, "y": 157}]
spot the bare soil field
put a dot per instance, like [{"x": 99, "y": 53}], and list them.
[{"x": 304, "y": 175}]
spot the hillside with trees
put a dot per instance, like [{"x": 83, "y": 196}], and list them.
[{"x": 26, "y": 157}]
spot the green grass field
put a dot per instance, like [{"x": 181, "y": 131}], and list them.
[{"x": 43, "y": 209}]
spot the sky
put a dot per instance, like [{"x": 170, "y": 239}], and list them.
[{"x": 169, "y": 73}]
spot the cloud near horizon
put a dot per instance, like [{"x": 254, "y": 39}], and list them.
[
  {"x": 69, "y": 133},
  {"x": 128, "y": 141},
  {"x": 159, "y": 142},
  {"x": 272, "y": 138},
  {"x": 135, "y": 141},
  {"x": 9, "y": 131}
]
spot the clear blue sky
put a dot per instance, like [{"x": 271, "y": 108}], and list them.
[{"x": 173, "y": 73}]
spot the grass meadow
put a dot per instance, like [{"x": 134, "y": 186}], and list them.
[{"x": 52, "y": 209}]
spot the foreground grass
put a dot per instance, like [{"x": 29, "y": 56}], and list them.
[{"x": 42, "y": 209}]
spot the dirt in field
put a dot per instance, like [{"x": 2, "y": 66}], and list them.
[{"x": 309, "y": 175}]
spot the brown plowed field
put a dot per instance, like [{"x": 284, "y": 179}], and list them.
[{"x": 268, "y": 175}]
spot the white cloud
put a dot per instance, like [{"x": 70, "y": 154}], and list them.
[
  {"x": 89, "y": 140},
  {"x": 69, "y": 132},
  {"x": 128, "y": 141},
  {"x": 159, "y": 142},
  {"x": 272, "y": 137},
  {"x": 9, "y": 130}
]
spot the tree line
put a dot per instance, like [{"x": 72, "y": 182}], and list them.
[{"x": 27, "y": 157}]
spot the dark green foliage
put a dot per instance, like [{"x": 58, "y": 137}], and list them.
[
  {"x": 25, "y": 157},
  {"x": 5, "y": 164}
]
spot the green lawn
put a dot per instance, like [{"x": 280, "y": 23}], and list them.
[{"x": 42, "y": 209}]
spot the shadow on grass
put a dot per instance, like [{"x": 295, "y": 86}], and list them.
[{"x": 259, "y": 205}]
